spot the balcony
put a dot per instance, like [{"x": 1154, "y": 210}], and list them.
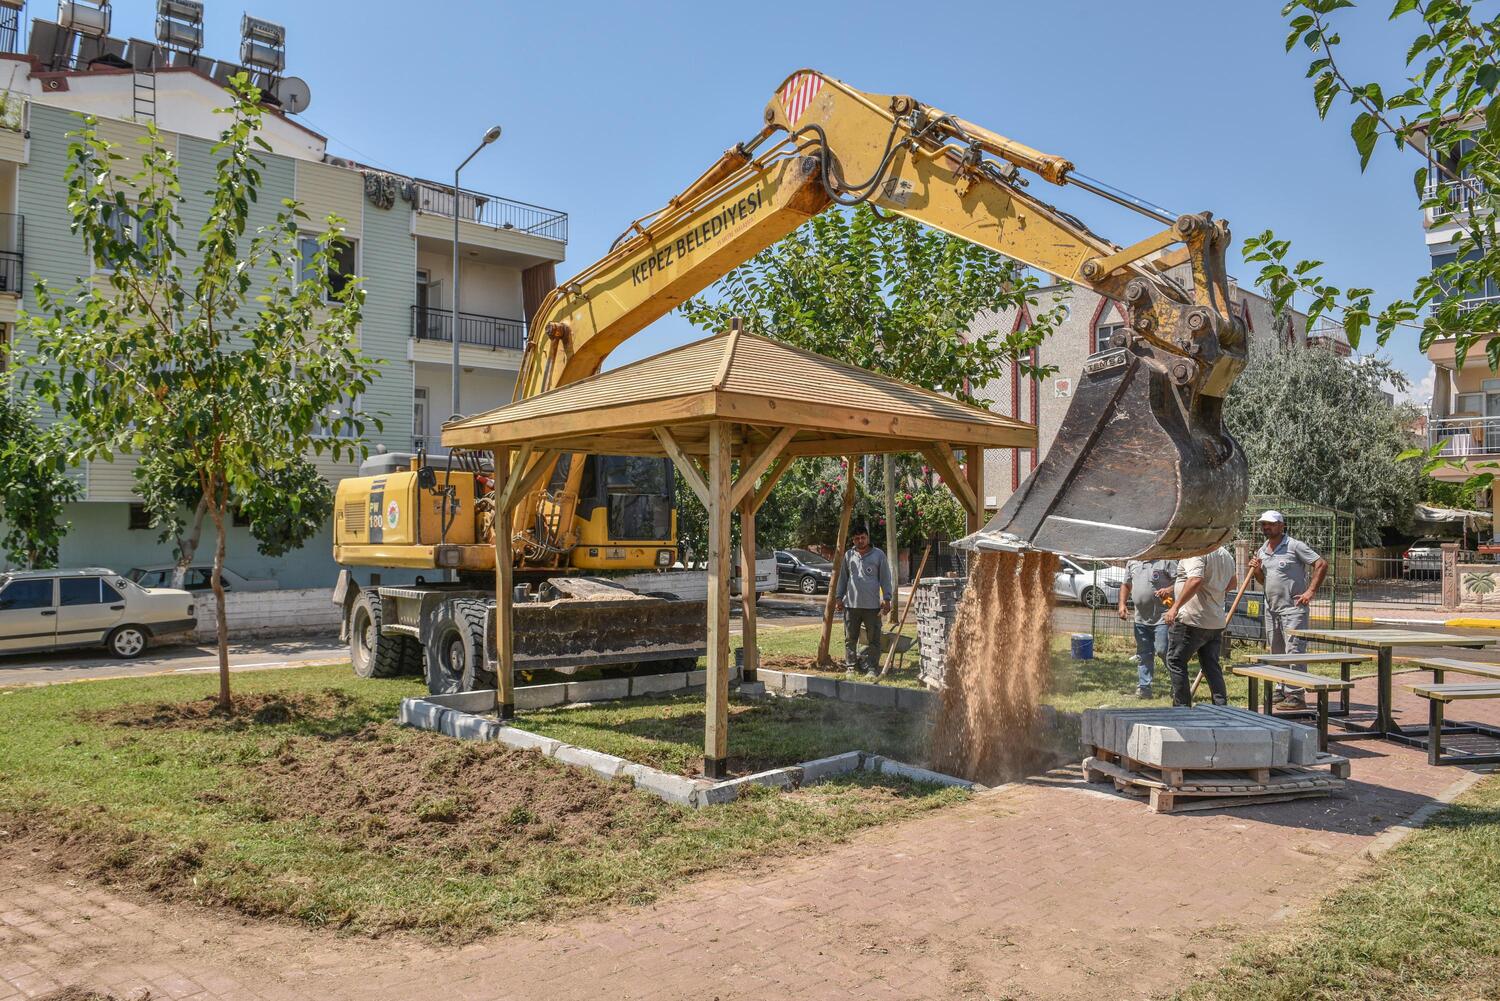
[
  {"x": 1457, "y": 195},
  {"x": 493, "y": 212},
  {"x": 12, "y": 254},
  {"x": 493, "y": 332},
  {"x": 1464, "y": 436}
]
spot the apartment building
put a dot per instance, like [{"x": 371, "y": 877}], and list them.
[
  {"x": 401, "y": 230},
  {"x": 1088, "y": 322}
]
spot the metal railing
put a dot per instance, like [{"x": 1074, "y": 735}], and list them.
[
  {"x": 1457, "y": 195},
  {"x": 12, "y": 253},
  {"x": 1462, "y": 436},
  {"x": 485, "y": 331},
  {"x": 492, "y": 211},
  {"x": 1474, "y": 302}
]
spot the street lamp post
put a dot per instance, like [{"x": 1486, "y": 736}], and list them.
[{"x": 489, "y": 137}]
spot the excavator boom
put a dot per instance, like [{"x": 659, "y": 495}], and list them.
[{"x": 1141, "y": 467}]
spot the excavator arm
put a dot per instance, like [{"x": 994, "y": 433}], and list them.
[{"x": 1141, "y": 465}]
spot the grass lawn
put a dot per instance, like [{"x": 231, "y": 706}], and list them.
[
  {"x": 667, "y": 733},
  {"x": 1421, "y": 926},
  {"x": 310, "y": 804}
]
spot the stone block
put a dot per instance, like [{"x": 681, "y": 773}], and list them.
[
  {"x": 654, "y": 684},
  {"x": 697, "y": 679},
  {"x": 603, "y": 690},
  {"x": 794, "y": 684},
  {"x": 676, "y": 789},
  {"x": 916, "y": 699},
  {"x": 867, "y": 694},
  {"x": 775, "y": 681},
  {"x": 751, "y": 690},
  {"x": 524, "y": 740},
  {"x": 826, "y": 687},
  {"x": 422, "y": 714},
  {"x": 902, "y": 770},
  {"x": 467, "y": 726},
  {"x": 725, "y": 792},
  {"x": 540, "y": 696},
  {"x": 826, "y": 768},
  {"x": 606, "y": 765},
  {"x": 481, "y": 701}
]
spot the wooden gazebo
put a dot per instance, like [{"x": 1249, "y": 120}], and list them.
[{"x": 734, "y": 397}]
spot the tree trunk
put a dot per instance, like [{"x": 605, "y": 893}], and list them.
[
  {"x": 890, "y": 531},
  {"x": 218, "y": 511},
  {"x": 187, "y": 546}
]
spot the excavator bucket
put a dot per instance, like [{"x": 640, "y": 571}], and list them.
[{"x": 1136, "y": 472}]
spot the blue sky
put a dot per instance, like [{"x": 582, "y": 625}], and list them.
[{"x": 610, "y": 109}]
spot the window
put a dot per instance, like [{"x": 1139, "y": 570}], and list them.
[
  {"x": 127, "y": 229},
  {"x": 343, "y": 262},
  {"x": 22, "y": 595},
  {"x": 1103, "y": 332},
  {"x": 86, "y": 591},
  {"x": 140, "y": 519},
  {"x": 329, "y": 429},
  {"x": 419, "y": 417}
]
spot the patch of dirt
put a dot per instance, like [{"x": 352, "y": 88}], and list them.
[
  {"x": 271, "y": 709},
  {"x": 789, "y": 662},
  {"x": 400, "y": 794}
]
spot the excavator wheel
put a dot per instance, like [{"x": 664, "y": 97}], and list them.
[
  {"x": 374, "y": 655},
  {"x": 455, "y": 648}
]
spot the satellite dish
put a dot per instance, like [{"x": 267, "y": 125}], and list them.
[{"x": 293, "y": 93}]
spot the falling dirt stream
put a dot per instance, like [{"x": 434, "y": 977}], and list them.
[{"x": 999, "y": 667}]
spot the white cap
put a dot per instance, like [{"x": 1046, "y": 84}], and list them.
[{"x": 1271, "y": 516}]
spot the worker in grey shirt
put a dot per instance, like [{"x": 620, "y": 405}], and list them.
[
  {"x": 1292, "y": 573},
  {"x": 863, "y": 593},
  {"x": 1143, "y": 578}
]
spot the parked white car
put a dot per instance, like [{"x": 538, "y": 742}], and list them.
[
  {"x": 1089, "y": 582},
  {"x": 53, "y": 609},
  {"x": 200, "y": 577}
]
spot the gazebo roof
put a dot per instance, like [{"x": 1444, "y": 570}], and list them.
[{"x": 835, "y": 408}]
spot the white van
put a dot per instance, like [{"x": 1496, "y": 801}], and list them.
[{"x": 54, "y": 609}]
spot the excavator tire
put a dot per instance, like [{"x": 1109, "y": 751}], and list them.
[
  {"x": 455, "y": 647},
  {"x": 374, "y": 655}
]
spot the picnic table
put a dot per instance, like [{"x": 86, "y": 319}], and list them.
[{"x": 1383, "y": 641}]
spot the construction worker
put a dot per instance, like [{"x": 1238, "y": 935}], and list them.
[
  {"x": 1284, "y": 565},
  {"x": 1145, "y": 578},
  {"x": 1195, "y": 623},
  {"x": 863, "y": 593}
]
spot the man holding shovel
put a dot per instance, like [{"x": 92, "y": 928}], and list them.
[
  {"x": 1284, "y": 565},
  {"x": 1195, "y": 623}
]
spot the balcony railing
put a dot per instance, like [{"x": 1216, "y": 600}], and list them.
[
  {"x": 493, "y": 211},
  {"x": 12, "y": 253},
  {"x": 1462, "y": 436},
  {"x": 1474, "y": 302},
  {"x": 485, "y": 331},
  {"x": 1458, "y": 194}
]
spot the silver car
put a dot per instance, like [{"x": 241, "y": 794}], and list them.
[
  {"x": 200, "y": 577},
  {"x": 1089, "y": 582},
  {"x": 53, "y": 609}
]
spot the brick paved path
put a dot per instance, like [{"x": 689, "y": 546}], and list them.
[{"x": 1049, "y": 889}]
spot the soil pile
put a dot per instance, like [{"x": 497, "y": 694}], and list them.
[
  {"x": 999, "y": 666},
  {"x": 331, "y": 705}
]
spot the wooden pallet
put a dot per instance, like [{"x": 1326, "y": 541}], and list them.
[
  {"x": 1337, "y": 765},
  {"x": 1206, "y": 789}
]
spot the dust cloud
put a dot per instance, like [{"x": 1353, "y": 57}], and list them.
[{"x": 999, "y": 667}]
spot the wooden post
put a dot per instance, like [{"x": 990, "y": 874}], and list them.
[
  {"x": 890, "y": 532},
  {"x": 974, "y": 457},
  {"x": 838, "y": 564},
  {"x": 748, "y": 595},
  {"x": 505, "y": 673},
  {"x": 716, "y": 714}
]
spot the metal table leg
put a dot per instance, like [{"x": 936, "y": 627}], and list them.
[{"x": 1385, "y": 722}]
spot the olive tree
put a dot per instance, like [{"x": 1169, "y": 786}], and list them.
[{"x": 224, "y": 362}]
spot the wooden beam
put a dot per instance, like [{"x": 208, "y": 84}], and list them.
[
  {"x": 685, "y": 465},
  {"x": 748, "y": 641},
  {"x": 966, "y": 426},
  {"x": 540, "y": 470},
  {"x": 716, "y": 712},
  {"x": 772, "y": 478},
  {"x": 511, "y": 482},
  {"x": 505, "y": 666},
  {"x": 974, "y": 457},
  {"x": 838, "y": 563},
  {"x": 871, "y": 445},
  {"x": 752, "y": 471},
  {"x": 946, "y": 463}
]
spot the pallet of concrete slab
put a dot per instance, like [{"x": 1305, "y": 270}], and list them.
[
  {"x": 1213, "y": 789},
  {"x": 1204, "y": 736}
]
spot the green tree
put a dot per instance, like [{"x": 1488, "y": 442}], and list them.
[
  {"x": 225, "y": 363},
  {"x": 34, "y": 487},
  {"x": 889, "y": 295},
  {"x": 1439, "y": 110},
  {"x": 1319, "y": 428}
]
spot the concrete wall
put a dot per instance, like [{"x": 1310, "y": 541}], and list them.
[{"x": 271, "y": 613}]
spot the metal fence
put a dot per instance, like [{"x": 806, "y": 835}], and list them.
[{"x": 1415, "y": 579}]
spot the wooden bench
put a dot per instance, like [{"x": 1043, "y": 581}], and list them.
[
  {"x": 1440, "y": 666},
  {"x": 1345, "y": 662},
  {"x": 1269, "y": 674},
  {"x": 1438, "y": 696}
]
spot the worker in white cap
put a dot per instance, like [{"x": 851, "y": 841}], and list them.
[{"x": 1292, "y": 572}]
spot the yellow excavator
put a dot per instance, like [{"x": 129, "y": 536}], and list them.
[{"x": 1141, "y": 466}]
